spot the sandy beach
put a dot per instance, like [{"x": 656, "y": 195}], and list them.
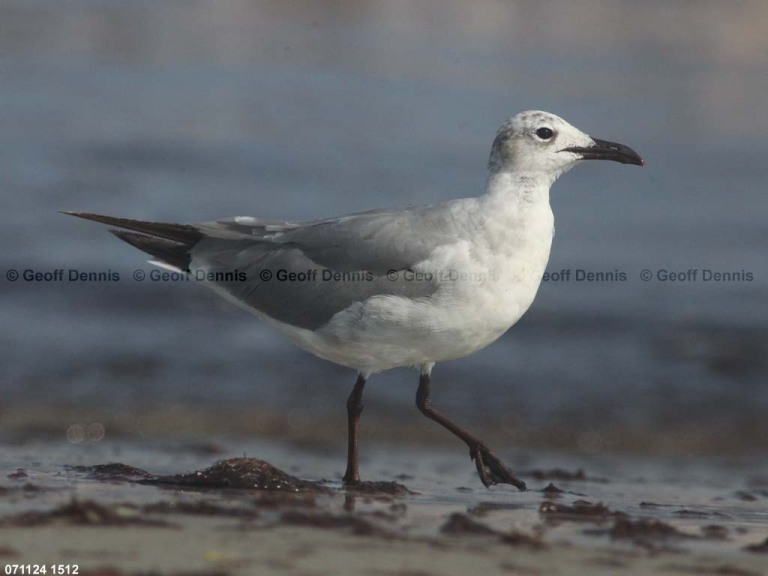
[{"x": 74, "y": 505}]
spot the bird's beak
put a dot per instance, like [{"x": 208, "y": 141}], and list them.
[{"x": 604, "y": 150}]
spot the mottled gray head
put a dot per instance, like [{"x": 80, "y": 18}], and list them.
[{"x": 536, "y": 141}]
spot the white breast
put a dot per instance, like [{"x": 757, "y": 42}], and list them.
[{"x": 488, "y": 278}]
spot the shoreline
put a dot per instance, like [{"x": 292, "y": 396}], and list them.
[{"x": 619, "y": 513}]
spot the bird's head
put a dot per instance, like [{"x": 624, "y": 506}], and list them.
[{"x": 536, "y": 141}]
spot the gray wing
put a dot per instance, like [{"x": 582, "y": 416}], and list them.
[
  {"x": 377, "y": 241},
  {"x": 304, "y": 273},
  {"x": 300, "y": 273}
]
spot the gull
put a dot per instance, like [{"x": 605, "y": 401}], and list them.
[{"x": 384, "y": 289}]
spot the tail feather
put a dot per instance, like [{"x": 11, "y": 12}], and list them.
[
  {"x": 168, "y": 242},
  {"x": 174, "y": 253},
  {"x": 178, "y": 232}
]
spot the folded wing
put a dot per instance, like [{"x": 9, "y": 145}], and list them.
[{"x": 297, "y": 273}]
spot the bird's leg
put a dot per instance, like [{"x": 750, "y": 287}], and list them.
[
  {"x": 354, "y": 409},
  {"x": 490, "y": 469}
]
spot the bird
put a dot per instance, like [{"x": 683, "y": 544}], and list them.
[{"x": 384, "y": 289}]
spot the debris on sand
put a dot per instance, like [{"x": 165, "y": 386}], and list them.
[
  {"x": 114, "y": 471},
  {"x": 459, "y": 524},
  {"x": 647, "y": 532},
  {"x": 239, "y": 473},
  {"x": 20, "y": 474},
  {"x": 646, "y": 504},
  {"x": 761, "y": 548},
  {"x": 581, "y": 510},
  {"x": 552, "y": 490},
  {"x": 84, "y": 513}
]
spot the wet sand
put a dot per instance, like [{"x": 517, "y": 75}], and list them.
[{"x": 71, "y": 504}]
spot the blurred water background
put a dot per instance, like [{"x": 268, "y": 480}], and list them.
[{"x": 193, "y": 110}]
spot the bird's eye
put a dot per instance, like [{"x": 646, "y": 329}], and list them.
[{"x": 544, "y": 133}]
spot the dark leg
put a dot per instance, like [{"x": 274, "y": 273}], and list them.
[
  {"x": 489, "y": 467},
  {"x": 354, "y": 409}
]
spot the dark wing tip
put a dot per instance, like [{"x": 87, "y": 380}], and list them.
[
  {"x": 86, "y": 215},
  {"x": 183, "y": 233},
  {"x": 174, "y": 253}
]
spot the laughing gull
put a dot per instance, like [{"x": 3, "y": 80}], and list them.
[{"x": 388, "y": 288}]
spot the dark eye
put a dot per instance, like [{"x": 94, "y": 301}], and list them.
[{"x": 544, "y": 133}]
